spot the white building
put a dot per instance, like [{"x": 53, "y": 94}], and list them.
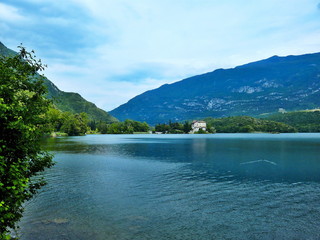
[{"x": 197, "y": 125}]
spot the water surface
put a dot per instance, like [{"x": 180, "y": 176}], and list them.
[{"x": 221, "y": 186}]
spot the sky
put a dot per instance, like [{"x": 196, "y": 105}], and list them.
[{"x": 112, "y": 50}]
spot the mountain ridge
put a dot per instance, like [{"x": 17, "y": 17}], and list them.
[{"x": 255, "y": 88}]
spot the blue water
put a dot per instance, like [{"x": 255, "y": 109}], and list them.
[{"x": 220, "y": 186}]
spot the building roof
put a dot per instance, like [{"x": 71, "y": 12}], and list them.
[{"x": 195, "y": 121}]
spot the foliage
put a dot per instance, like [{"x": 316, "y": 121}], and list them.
[
  {"x": 210, "y": 128},
  {"x": 186, "y": 127},
  {"x": 244, "y": 124},
  {"x": 6, "y": 52},
  {"x": 201, "y": 131},
  {"x": 74, "y": 103},
  {"x": 79, "y": 124},
  {"x": 126, "y": 127},
  {"x": 66, "y": 122},
  {"x": 74, "y": 124},
  {"x": 303, "y": 121},
  {"x": 173, "y": 127},
  {"x": 102, "y": 127},
  {"x": 22, "y": 124}
]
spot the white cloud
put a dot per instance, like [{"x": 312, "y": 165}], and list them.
[
  {"x": 166, "y": 32},
  {"x": 58, "y": 21},
  {"x": 126, "y": 43},
  {"x": 10, "y": 14}
]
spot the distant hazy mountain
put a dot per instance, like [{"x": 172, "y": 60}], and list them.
[
  {"x": 285, "y": 83},
  {"x": 68, "y": 101}
]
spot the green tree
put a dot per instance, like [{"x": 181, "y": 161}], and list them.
[
  {"x": 186, "y": 127},
  {"x": 22, "y": 124},
  {"x": 246, "y": 129},
  {"x": 74, "y": 124},
  {"x": 173, "y": 128},
  {"x": 102, "y": 127},
  {"x": 210, "y": 128},
  {"x": 93, "y": 125},
  {"x": 137, "y": 126},
  {"x": 114, "y": 128},
  {"x": 164, "y": 128},
  {"x": 55, "y": 120},
  {"x": 201, "y": 131}
]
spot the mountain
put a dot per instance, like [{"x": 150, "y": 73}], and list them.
[
  {"x": 68, "y": 101},
  {"x": 74, "y": 103},
  {"x": 4, "y": 51},
  {"x": 266, "y": 86}
]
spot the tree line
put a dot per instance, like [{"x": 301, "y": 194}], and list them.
[
  {"x": 302, "y": 121},
  {"x": 126, "y": 127},
  {"x": 291, "y": 122},
  {"x": 80, "y": 124},
  {"x": 245, "y": 124},
  {"x": 173, "y": 127},
  {"x": 236, "y": 124}
]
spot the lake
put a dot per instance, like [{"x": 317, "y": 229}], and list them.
[{"x": 219, "y": 186}]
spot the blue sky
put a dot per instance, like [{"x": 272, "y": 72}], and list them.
[{"x": 112, "y": 50}]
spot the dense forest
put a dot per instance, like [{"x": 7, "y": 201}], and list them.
[
  {"x": 67, "y": 122},
  {"x": 303, "y": 121},
  {"x": 173, "y": 128},
  {"x": 126, "y": 127},
  {"x": 245, "y": 124}
]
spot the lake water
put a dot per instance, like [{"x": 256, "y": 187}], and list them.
[{"x": 220, "y": 186}]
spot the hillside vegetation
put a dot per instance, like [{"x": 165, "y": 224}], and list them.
[
  {"x": 245, "y": 124},
  {"x": 303, "y": 121}
]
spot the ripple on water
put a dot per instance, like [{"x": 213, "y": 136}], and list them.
[{"x": 108, "y": 189}]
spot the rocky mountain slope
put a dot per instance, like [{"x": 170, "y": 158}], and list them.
[
  {"x": 266, "y": 86},
  {"x": 68, "y": 101}
]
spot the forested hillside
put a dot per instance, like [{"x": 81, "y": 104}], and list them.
[
  {"x": 68, "y": 101},
  {"x": 303, "y": 121},
  {"x": 245, "y": 124}
]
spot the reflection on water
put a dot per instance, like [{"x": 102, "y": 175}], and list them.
[{"x": 222, "y": 186}]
